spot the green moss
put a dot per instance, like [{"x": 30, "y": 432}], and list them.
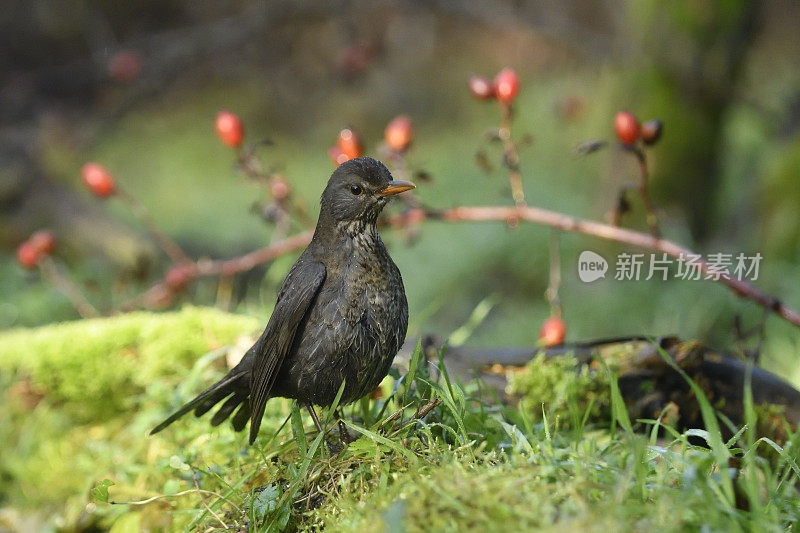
[
  {"x": 96, "y": 368},
  {"x": 80, "y": 397},
  {"x": 570, "y": 487},
  {"x": 563, "y": 390}
]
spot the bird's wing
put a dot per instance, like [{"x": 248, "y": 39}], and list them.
[{"x": 294, "y": 300}]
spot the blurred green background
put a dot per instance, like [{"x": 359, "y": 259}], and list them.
[{"x": 723, "y": 75}]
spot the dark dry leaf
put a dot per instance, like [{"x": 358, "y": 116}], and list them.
[
  {"x": 590, "y": 146},
  {"x": 623, "y": 204},
  {"x": 269, "y": 212},
  {"x": 482, "y": 160},
  {"x": 525, "y": 141},
  {"x": 492, "y": 134},
  {"x": 422, "y": 175}
]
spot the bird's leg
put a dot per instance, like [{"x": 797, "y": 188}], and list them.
[
  {"x": 314, "y": 417},
  {"x": 333, "y": 448},
  {"x": 343, "y": 433}
]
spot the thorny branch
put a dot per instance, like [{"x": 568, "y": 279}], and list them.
[{"x": 511, "y": 216}]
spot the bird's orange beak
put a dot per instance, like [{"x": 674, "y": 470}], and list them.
[{"x": 395, "y": 187}]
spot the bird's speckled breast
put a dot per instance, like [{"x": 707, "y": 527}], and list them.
[
  {"x": 366, "y": 326},
  {"x": 378, "y": 312},
  {"x": 369, "y": 277}
]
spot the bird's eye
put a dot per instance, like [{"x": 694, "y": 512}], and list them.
[{"x": 356, "y": 190}]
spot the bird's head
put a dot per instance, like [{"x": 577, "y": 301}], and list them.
[{"x": 357, "y": 192}]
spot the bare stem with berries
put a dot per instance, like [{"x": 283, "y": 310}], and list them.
[{"x": 633, "y": 138}]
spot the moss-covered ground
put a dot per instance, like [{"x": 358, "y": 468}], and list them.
[{"x": 80, "y": 397}]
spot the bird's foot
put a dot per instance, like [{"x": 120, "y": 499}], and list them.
[
  {"x": 344, "y": 434},
  {"x": 333, "y": 447}
]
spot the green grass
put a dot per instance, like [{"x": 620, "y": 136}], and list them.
[{"x": 565, "y": 457}]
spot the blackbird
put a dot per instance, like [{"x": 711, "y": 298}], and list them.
[{"x": 341, "y": 313}]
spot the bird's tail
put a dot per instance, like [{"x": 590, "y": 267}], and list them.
[{"x": 235, "y": 387}]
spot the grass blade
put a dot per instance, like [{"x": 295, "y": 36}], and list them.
[
  {"x": 383, "y": 440},
  {"x": 720, "y": 451},
  {"x": 297, "y": 429}
]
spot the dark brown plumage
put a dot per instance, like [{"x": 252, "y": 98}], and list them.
[{"x": 341, "y": 313}]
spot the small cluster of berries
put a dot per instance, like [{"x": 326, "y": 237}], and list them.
[
  {"x": 503, "y": 88},
  {"x": 40, "y": 245},
  {"x": 397, "y": 137},
  {"x": 628, "y": 130}
]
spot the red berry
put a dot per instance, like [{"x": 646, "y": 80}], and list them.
[
  {"x": 178, "y": 277},
  {"x": 552, "y": 332},
  {"x": 28, "y": 256},
  {"x": 43, "y": 241},
  {"x": 481, "y": 88},
  {"x": 626, "y": 127},
  {"x": 506, "y": 85},
  {"x": 350, "y": 143},
  {"x": 229, "y": 129},
  {"x": 98, "y": 180},
  {"x": 399, "y": 133},
  {"x": 125, "y": 66},
  {"x": 651, "y": 131},
  {"x": 337, "y": 156}
]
